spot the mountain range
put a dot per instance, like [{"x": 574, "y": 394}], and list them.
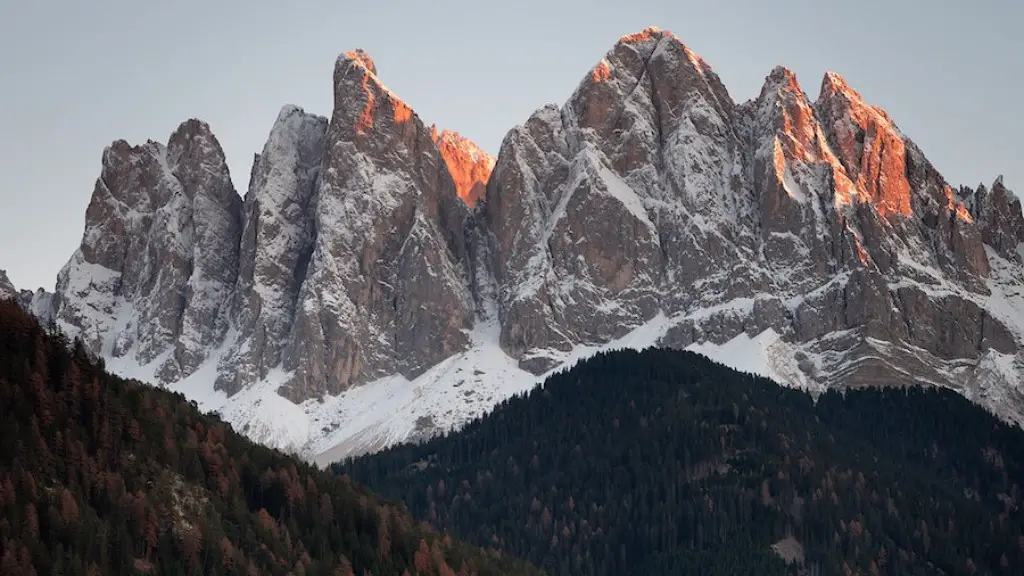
[{"x": 383, "y": 281}]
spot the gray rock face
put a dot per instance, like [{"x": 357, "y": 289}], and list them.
[
  {"x": 652, "y": 192},
  {"x": 276, "y": 246},
  {"x": 40, "y": 304},
  {"x": 7, "y": 290},
  {"x": 155, "y": 272},
  {"x": 998, "y": 212},
  {"x": 387, "y": 288}
]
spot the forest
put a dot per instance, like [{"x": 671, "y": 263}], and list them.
[
  {"x": 100, "y": 475},
  {"x": 663, "y": 462}
]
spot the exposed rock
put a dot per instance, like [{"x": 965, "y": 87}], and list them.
[
  {"x": 159, "y": 257},
  {"x": 469, "y": 166},
  {"x": 651, "y": 191},
  {"x": 999, "y": 214},
  {"x": 40, "y": 304},
  {"x": 7, "y": 289},
  {"x": 276, "y": 247},
  {"x": 387, "y": 289}
]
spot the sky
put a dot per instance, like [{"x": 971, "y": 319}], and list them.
[{"x": 78, "y": 75}]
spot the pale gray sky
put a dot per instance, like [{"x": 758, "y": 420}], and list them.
[{"x": 77, "y": 75}]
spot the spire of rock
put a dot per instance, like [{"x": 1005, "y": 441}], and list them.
[
  {"x": 469, "y": 166},
  {"x": 276, "y": 246},
  {"x": 868, "y": 144},
  {"x": 158, "y": 259},
  {"x": 386, "y": 288},
  {"x": 361, "y": 58},
  {"x": 7, "y": 289}
]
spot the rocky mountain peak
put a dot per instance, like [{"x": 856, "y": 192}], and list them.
[
  {"x": 361, "y": 58},
  {"x": 7, "y": 289},
  {"x": 468, "y": 164},
  {"x": 387, "y": 286},
  {"x": 869, "y": 146},
  {"x": 998, "y": 212},
  {"x": 363, "y": 103},
  {"x": 38, "y": 303},
  {"x": 276, "y": 246},
  {"x": 783, "y": 105},
  {"x": 158, "y": 257}
]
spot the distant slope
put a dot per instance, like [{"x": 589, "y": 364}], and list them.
[
  {"x": 99, "y": 475},
  {"x": 663, "y": 462}
]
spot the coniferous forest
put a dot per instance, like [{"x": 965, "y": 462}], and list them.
[
  {"x": 663, "y": 462},
  {"x": 100, "y": 476}
]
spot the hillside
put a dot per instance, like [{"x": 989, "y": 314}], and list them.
[
  {"x": 663, "y": 462},
  {"x": 100, "y": 475}
]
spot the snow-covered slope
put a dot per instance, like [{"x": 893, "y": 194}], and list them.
[{"x": 369, "y": 291}]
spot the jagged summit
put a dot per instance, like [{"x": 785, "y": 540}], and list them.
[
  {"x": 392, "y": 280},
  {"x": 468, "y": 164},
  {"x": 7, "y": 289},
  {"x": 360, "y": 57},
  {"x": 361, "y": 100}
]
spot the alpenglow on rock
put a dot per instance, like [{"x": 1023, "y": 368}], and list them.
[{"x": 382, "y": 280}]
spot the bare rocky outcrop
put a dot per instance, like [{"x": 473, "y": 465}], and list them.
[
  {"x": 469, "y": 166},
  {"x": 7, "y": 290},
  {"x": 999, "y": 215},
  {"x": 276, "y": 246},
  {"x": 157, "y": 266},
  {"x": 387, "y": 288},
  {"x": 38, "y": 303},
  {"x": 652, "y": 192}
]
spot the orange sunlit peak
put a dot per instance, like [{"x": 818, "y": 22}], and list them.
[
  {"x": 469, "y": 166},
  {"x": 400, "y": 111},
  {"x": 789, "y": 77},
  {"x": 642, "y": 35},
  {"x": 360, "y": 57},
  {"x": 364, "y": 124},
  {"x": 833, "y": 83}
]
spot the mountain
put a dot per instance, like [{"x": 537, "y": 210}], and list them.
[
  {"x": 364, "y": 292},
  {"x": 100, "y": 475},
  {"x": 469, "y": 166},
  {"x": 664, "y": 462},
  {"x": 818, "y": 226},
  {"x": 39, "y": 303},
  {"x": 7, "y": 289}
]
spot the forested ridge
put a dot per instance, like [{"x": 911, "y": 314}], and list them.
[
  {"x": 100, "y": 475},
  {"x": 663, "y": 462}
]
